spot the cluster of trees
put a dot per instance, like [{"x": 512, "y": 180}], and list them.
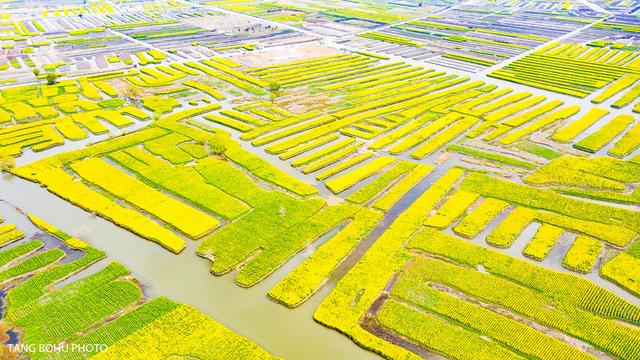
[{"x": 51, "y": 77}]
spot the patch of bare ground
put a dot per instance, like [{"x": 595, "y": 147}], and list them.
[
  {"x": 284, "y": 53},
  {"x": 506, "y": 171},
  {"x": 302, "y": 103},
  {"x": 123, "y": 87},
  {"x": 232, "y": 24},
  {"x": 443, "y": 157},
  {"x": 502, "y": 151},
  {"x": 544, "y": 139}
]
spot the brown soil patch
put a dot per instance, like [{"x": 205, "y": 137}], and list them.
[{"x": 283, "y": 54}]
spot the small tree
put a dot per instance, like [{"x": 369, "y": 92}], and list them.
[
  {"x": 218, "y": 144},
  {"x": 52, "y": 78},
  {"x": 275, "y": 90},
  {"x": 274, "y": 86},
  {"x": 36, "y": 72}
]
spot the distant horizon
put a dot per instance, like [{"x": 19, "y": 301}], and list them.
[{"x": 315, "y": 179}]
